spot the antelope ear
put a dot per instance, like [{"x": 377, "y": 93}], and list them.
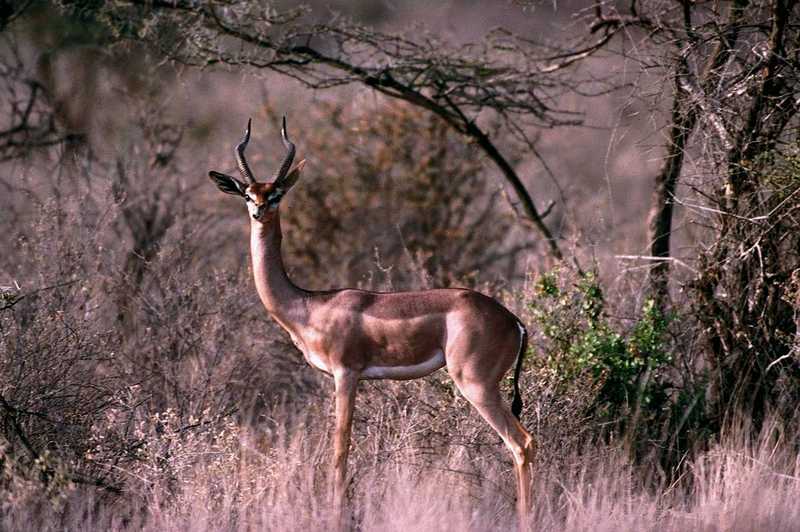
[
  {"x": 228, "y": 184},
  {"x": 283, "y": 186}
]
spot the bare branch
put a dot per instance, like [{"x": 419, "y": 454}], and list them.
[
  {"x": 499, "y": 75},
  {"x": 689, "y": 85}
]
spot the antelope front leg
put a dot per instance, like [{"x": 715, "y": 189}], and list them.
[{"x": 345, "y": 383}]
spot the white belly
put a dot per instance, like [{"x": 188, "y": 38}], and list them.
[{"x": 406, "y": 372}]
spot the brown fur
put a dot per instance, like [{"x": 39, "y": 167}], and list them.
[{"x": 357, "y": 334}]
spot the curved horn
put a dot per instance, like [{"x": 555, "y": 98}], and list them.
[
  {"x": 241, "y": 162},
  {"x": 287, "y": 161}
]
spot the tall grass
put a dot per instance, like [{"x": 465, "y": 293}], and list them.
[{"x": 237, "y": 479}]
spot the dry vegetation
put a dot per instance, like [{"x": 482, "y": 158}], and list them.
[{"x": 142, "y": 385}]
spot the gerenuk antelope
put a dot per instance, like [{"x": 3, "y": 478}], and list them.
[{"x": 357, "y": 334}]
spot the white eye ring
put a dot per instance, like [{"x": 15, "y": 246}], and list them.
[{"x": 247, "y": 198}]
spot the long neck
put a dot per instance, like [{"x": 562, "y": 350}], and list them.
[{"x": 282, "y": 299}]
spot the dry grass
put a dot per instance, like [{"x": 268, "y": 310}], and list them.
[{"x": 237, "y": 479}]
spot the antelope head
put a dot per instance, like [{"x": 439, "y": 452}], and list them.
[{"x": 262, "y": 198}]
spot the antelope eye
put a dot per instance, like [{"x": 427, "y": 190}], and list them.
[{"x": 247, "y": 198}]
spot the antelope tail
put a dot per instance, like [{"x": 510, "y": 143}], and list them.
[{"x": 516, "y": 403}]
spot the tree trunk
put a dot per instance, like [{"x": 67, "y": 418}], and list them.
[{"x": 684, "y": 118}]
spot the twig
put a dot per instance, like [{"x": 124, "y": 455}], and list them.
[
  {"x": 754, "y": 220},
  {"x": 47, "y": 472},
  {"x": 656, "y": 259},
  {"x": 17, "y": 299}
]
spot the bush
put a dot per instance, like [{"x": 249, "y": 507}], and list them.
[
  {"x": 393, "y": 198},
  {"x": 629, "y": 365}
]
